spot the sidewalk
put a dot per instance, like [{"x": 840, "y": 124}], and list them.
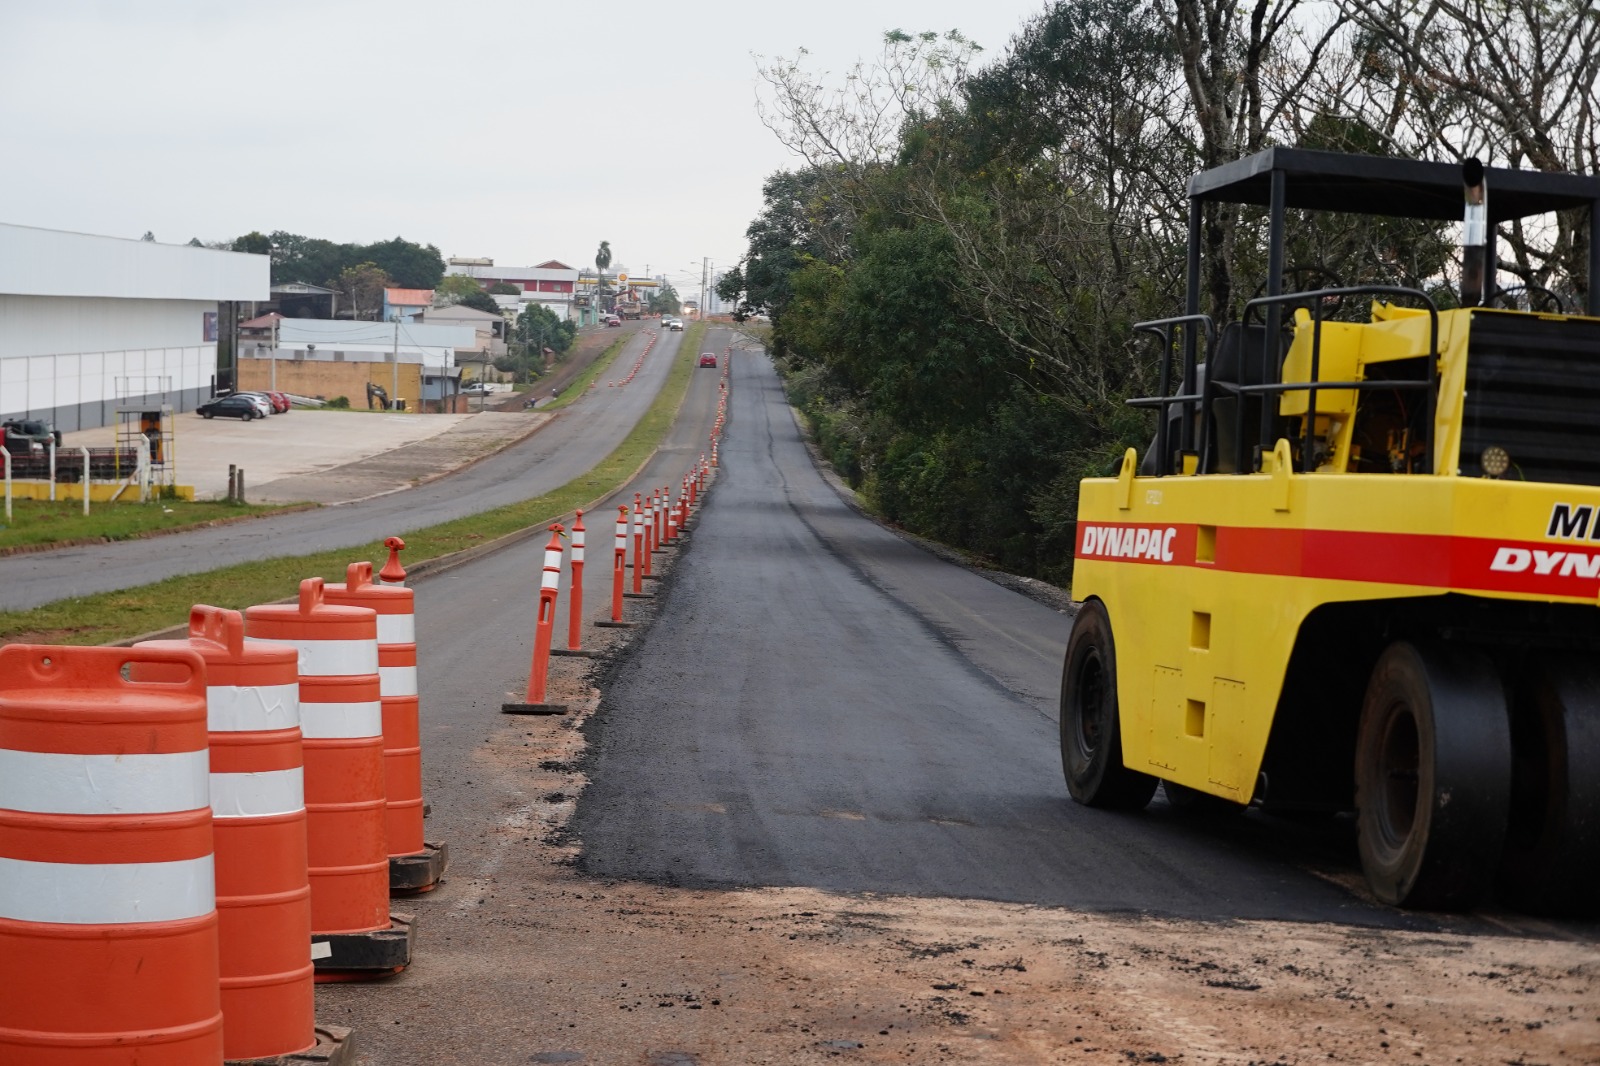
[
  {"x": 471, "y": 438},
  {"x": 328, "y": 456}
]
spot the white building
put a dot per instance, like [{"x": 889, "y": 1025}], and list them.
[
  {"x": 89, "y": 324},
  {"x": 551, "y": 284},
  {"x": 338, "y": 340}
]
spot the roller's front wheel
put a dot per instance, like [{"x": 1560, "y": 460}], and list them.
[{"x": 1091, "y": 731}]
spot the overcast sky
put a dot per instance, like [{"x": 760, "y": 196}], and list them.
[{"x": 519, "y": 131}]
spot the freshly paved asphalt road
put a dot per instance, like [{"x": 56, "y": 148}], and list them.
[
  {"x": 576, "y": 439},
  {"x": 824, "y": 704}
]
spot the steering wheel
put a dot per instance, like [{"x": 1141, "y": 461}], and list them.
[
  {"x": 1532, "y": 295},
  {"x": 1308, "y": 279}
]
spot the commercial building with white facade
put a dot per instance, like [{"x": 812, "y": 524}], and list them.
[{"x": 89, "y": 324}]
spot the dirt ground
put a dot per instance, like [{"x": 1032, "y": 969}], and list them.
[{"x": 639, "y": 973}]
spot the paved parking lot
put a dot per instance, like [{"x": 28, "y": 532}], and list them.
[{"x": 269, "y": 449}]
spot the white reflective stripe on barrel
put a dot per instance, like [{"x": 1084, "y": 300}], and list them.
[
  {"x": 262, "y": 792},
  {"x": 332, "y": 658},
  {"x": 397, "y": 628},
  {"x": 577, "y": 553},
  {"x": 48, "y": 782},
  {"x": 397, "y": 680},
  {"x": 253, "y": 708},
  {"x": 328, "y": 721},
  {"x": 113, "y": 893}
]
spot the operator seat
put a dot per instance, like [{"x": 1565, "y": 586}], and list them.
[{"x": 1237, "y": 360}]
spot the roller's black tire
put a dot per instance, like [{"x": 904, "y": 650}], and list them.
[
  {"x": 1552, "y": 853},
  {"x": 1433, "y": 776},
  {"x": 1091, "y": 730}
]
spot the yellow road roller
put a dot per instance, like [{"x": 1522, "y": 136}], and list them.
[{"x": 1358, "y": 568}]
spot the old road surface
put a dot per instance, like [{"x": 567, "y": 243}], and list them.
[
  {"x": 579, "y": 436},
  {"x": 816, "y": 705}
]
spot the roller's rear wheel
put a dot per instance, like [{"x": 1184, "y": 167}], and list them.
[
  {"x": 1091, "y": 732},
  {"x": 1552, "y": 855},
  {"x": 1433, "y": 776}
]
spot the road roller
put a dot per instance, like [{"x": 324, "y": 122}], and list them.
[{"x": 1357, "y": 569}]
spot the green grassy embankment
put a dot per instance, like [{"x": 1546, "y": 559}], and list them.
[{"x": 40, "y": 523}]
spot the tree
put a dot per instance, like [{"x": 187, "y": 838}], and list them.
[
  {"x": 194, "y": 242},
  {"x": 480, "y": 301},
  {"x": 457, "y": 287},
  {"x": 665, "y": 301},
  {"x": 411, "y": 266},
  {"x": 255, "y": 242},
  {"x": 310, "y": 260},
  {"x": 504, "y": 288},
  {"x": 362, "y": 287},
  {"x": 148, "y": 236}
]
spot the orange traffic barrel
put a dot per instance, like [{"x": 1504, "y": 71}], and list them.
[
  {"x": 397, "y": 675},
  {"x": 108, "y": 921},
  {"x": 414, "y": 864},
  {"x": 259, "y": 814},
  {"x": 341, "y": 720}
]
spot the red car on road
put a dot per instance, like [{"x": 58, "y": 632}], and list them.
[{"x": 707, "y": 359}]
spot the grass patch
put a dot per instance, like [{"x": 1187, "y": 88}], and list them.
[
  {"x": 600, "y": 365},
  {"x": 38, "y": 522},
  {"x": 113, "y": 616}
]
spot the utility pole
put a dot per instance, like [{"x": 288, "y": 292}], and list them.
[
  {"x": 705, "y": 264},
  {"x": 394, "y": 395},
  {"x": 273, "y": 377}
]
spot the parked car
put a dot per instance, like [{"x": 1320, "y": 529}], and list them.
[
  {"x": 613, "y": 320},
  {"x": 676, "y": 324},
  {"x": 276, "y": 401},
  {"x": 475, "y": 387},
  {"x": 708, "y": 359},
  {"x": 235, "y": 406}
]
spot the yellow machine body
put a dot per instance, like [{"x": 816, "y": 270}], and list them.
[{"x": 1208, "y": 579}]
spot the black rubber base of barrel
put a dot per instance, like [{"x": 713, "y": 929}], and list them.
[
  {"x": 410, "y": 874},
  {"x": 368, "y": 955},
  {"x": 533, "y": 708}
]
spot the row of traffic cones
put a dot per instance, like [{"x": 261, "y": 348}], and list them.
[
  {"x": 658, "y": 520},
  {"x": 637, "y": 363},
  {"x": 193, "y": 832}
]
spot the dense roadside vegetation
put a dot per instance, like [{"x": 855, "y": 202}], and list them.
[
  {"x": 953, "y": 273},
  {"x": 112, "y": 616}
]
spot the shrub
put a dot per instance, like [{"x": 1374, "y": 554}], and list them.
[{"x": 341, "y": 402}]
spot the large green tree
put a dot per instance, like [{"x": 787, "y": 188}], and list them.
[{"x": 411, "y": 266}]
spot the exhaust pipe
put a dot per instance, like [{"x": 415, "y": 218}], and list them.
[{"x": 1474, "y": 235}]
